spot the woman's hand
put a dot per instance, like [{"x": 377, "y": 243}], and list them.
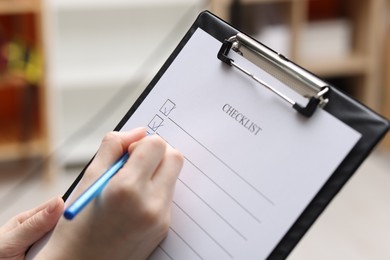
[
  {"x": 20, "y": 232},
  {"x": 132, "y": 215}
]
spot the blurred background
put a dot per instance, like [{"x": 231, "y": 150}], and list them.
[{"x": 70, "y": 70}]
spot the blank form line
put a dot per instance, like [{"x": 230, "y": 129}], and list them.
[
  {"x": 219, "y": 159},
  {"x": 216, "y": 212},
  {"x": 221, "y": 188},
  {"x": 165, "y": 252},
  {"x": 224, "y": 191},
  {"x": 185, "y": 242},
  {"x": 204, "y": 230}
]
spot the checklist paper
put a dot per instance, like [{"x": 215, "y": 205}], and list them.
[{"x": 252, "y": 163}]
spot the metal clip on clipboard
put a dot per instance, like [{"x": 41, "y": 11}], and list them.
[{"x": 281, "y": 68}]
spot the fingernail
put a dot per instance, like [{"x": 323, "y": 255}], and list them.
[{"x": 53, "y": 204}]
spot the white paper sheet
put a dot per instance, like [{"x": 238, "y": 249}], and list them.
[{"x": 252, "y": 163}]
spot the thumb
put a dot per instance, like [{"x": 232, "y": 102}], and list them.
[{"x": 36, "y": 225}]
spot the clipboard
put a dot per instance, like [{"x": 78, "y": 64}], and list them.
[{"x": 309, "y": 98}]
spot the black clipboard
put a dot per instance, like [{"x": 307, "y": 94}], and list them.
[{"x": 370, "y": 125}]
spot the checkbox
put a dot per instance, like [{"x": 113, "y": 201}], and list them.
[
  {"x": 167, "y": 107},
  {"x": 155, "y": 123}
]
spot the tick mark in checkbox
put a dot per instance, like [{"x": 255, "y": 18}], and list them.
[
  {"x": 167, "y": 107},
  {"x": 155, "y": 123}
]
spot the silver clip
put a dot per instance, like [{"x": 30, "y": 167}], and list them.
[{"x": 317, "y": 88}]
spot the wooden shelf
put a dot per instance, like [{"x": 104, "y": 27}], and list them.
[
  {"x": 77, "y": 5},
  {"x": 14, "y": 145},
  {"x": 23, "y": 129},
  {"x": 386, "y": 93},
  {"x": 18, "y": 6},
  {"x": 16, "y": 150},
  {"x": 347, "y": 66},
  {"x": 12, "y": 80}
]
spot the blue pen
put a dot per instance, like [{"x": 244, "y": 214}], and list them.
[{"x": 95, "y": 189}]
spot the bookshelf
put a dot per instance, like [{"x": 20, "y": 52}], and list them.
[
  {"x": 340, "y": 41},
  {"x": 23, "y": 127},
  {"x": 386, "y": 96}
]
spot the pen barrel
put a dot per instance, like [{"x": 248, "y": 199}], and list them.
[{"x": 95, "y": 189}]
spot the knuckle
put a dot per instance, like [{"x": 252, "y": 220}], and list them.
[
  {"x": 152, "y": 144},
  {"x": 111, "y": 137},
  {"x": 176, "y": 156},
  {"x": 156, "y": 142},
  {"x": 140, "y": 155},
  {"x": 33, "y": 222}
]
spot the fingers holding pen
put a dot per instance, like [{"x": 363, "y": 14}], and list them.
[
  {"x": 152, "y": 162},
  {"x": 146, "y": 156},
  {"x": 133, "y": 207},
  {"x": 114, "y": 144},
  {"x": 150, "y": 157},
  {"x": 168, "y": 171},
  {"x": 144, "y": 186},
  {"x": 112, "y": 147}
]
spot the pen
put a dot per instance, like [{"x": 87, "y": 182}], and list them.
[{"x": 95, "y": 189}]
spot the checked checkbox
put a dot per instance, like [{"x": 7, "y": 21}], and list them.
[
  {"x": 155, "y": 123},
  {"x": 167, "y": 107}
]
